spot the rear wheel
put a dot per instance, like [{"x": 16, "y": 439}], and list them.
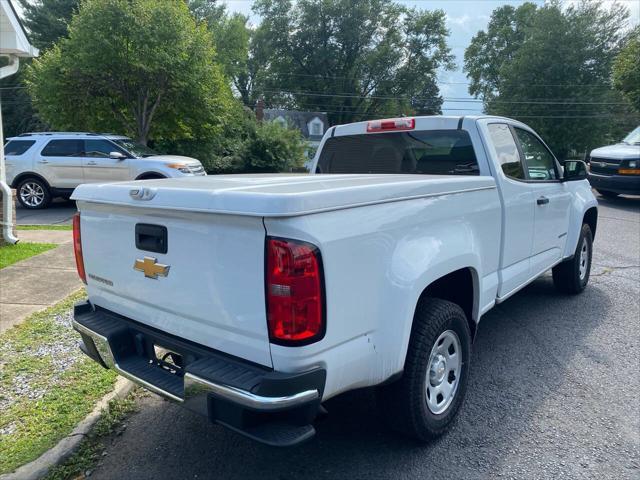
[
  {"x": 572, "y": 276},
  {"x": 608, "y": 194},
  {"x": 424, "y": 402},
  {"x": 34, "y": 193}
]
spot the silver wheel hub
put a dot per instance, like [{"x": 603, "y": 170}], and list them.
[
  {"x": 584, "y": 258},
  {"x": 443, "y": 377},
  {"x": 32, "y": 194}
]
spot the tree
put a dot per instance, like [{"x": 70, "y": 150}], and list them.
[
  {"x": 351, "y": 59},
  {"x": 550, "y": 67},
  {"x": 139, "y": 67},
  {"x": 626, "y": 70},
  {"x": 46, "y": 21}
]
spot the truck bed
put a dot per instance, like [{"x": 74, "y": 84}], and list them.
[{"x": 278, "y": 195}]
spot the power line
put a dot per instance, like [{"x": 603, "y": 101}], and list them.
[{"x": 446, "y": 99}]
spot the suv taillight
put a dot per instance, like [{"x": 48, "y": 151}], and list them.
[
  {"x": 77, "y": 248},
  {"x": 294, "y": 290}
]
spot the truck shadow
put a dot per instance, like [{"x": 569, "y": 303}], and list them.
[{"x": 521, "y": 370}]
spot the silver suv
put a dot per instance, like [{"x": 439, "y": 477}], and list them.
[{"x": 41, "y": 166}]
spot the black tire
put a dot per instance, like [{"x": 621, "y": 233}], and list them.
[
  {"x": 568, "y": 277},
  {"x": 33, "y": 193},
  {"x": 404, "y": 403},
  {"x": 607, "y": 193}
]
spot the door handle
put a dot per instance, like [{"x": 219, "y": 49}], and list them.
[
  {"x": 43, "y": 161},
  {"x": 542, "y": 201},
  {"x": 91, "y": 163}
]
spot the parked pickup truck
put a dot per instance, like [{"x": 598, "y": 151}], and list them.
[{"x": 252, "y": 299}]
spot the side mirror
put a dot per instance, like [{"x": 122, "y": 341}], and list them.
[
  {"x": 117, "y": 155},
  {"x": 574, "y": 170}
]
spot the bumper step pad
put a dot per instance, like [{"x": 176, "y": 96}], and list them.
[{"x": 267, "y": 406}]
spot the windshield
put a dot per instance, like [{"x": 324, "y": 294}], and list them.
[
  {"x": 633, "y": 138},
  {"x": 435, "y": 152},
  {"x": 135, "y": 148}
]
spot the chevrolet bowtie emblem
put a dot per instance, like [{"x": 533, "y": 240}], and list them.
[{"x": 151, "y": 268}]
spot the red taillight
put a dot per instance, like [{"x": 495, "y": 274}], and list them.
[
  {"x": 391, "y": 124},
  {"x": 77, "y": 248},
  {"x": 294, "y": 286}
]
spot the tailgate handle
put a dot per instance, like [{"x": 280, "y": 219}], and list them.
[{"x": 151, "y": 238}]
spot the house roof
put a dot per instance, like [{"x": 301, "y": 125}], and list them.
[
  {"x": 299, "y": 120},
  {"x": 14, "y": 39}
]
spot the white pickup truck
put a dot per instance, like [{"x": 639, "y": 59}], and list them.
[{"x": 251, "y": 299}]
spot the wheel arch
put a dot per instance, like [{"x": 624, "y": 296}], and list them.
[
  {"x": 591, "y": 218},
  {"x": 24, "y": 175},
  {"x": 150, "y": 175},
  {"x": 461, "y": 287}
]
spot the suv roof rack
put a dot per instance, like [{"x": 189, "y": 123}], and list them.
[{"x": 32, "y": 134}]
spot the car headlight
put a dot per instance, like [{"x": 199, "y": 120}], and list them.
[
  {"x": 181, "y": 167},
  {"x": 633, "y": 164}
]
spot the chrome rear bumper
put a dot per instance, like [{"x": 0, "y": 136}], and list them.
[{"x": 230, "y": 391}]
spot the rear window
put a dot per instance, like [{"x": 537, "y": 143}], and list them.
[
  {"x": 17, "y": 147},
  {"x": 433, "y": 152}
]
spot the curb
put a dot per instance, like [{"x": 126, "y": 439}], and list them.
[{"x": 38, "y": 468}]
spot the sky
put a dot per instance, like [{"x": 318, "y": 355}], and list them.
[{"x": 464, "y": 19}]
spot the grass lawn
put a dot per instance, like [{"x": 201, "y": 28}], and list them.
[
  {"x": 47, "y": 385},
  {"x": 14, "y": 253},
  {"x": 45, "y": 227}
]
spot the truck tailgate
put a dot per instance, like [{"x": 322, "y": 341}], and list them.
[{"x": 213, "y": 291}]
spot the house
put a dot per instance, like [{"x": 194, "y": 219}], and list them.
[{"x": 312, "y": 125}]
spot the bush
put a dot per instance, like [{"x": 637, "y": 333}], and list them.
[{"x": 244, "y": 146}]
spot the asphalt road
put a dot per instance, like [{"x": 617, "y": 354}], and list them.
[
  {"x": 59, "y": 213},
  {"x": 553, "y": 393}
]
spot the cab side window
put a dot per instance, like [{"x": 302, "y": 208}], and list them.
[
  {"x": 63, "y": 148},
  {"x": 539, "y": 162},
  {"x": 507, "y": 150},
  {"x": 99, "y": 148}
]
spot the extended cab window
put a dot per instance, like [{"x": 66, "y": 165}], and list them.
[
  {"x": 435, "y": 152},
  {"x": 99, "y": 148},
  {"x": 18, "y": 147},
  {"x": 507, "y": 150},
  {"x": 63, "y": 148},
  {"x": 539, "y": 162}
]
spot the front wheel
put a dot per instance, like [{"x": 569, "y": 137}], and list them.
[
  {"x": 34, "y": 194},
  {"x": 425, "y": 401},
  {"x": 572, "y": 276}
]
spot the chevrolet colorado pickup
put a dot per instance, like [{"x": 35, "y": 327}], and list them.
[{"x": 251, "y": 299}]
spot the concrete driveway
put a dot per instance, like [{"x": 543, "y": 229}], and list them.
[
  {"x": 553, "y": 393},
  {"x": 59, "y": 213}
]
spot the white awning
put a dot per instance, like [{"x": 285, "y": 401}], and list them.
[{"x": 13, "y": 37}]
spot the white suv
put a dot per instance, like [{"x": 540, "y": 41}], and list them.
[{"x": 41, "y": 166}]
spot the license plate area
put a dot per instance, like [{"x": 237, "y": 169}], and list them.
[{"x": 168, "y": 360}]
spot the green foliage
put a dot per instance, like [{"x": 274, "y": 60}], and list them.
[
  {"x": 47, "y": 385},
  {"x": 550, "y": 67},
  {"x": 350, "y": 59},
  {"x": 244, "y": 146},
  {"x": 47, "y": 20},
  {"x": 10, "y": 254},
  {"x": 626, "y": 70},
  {"x": 271, "y": 147},
  {"x": 139, "y": 67}
]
